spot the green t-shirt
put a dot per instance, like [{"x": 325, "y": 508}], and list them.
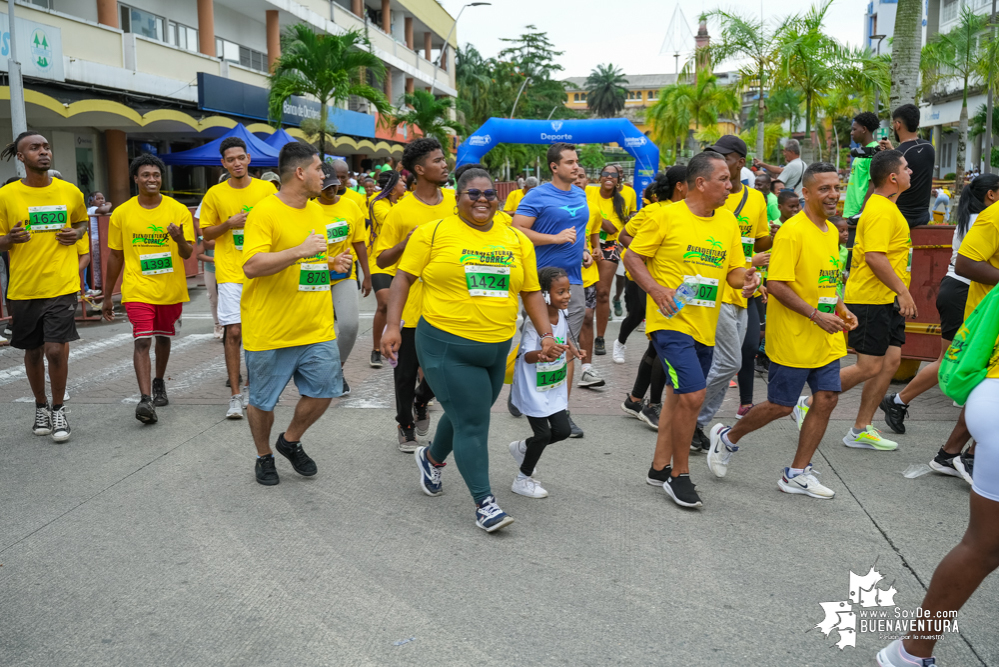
[
  {"x": 856, "y": 189},
  {"x": 773, "y": 213}
]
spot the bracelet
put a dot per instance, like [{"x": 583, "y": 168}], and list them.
[
  {"x": 546, "y": 335},
  {"x": 814, "y": 311}
]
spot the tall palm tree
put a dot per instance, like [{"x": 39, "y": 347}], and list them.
[
  {"x": 906, "y": 41},
  {"x": 330, "y": 68},
  {"x": 429, "y": 114},
  {"x": 473, "y": 81},
  {"x": 954, "y": 56},
  {"x": 698, "y": 103},
  {"x": 605, "y": 91}
]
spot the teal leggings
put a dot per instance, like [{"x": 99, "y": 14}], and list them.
[{"x": 466, "y": 377}]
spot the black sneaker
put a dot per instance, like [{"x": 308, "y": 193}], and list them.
[
  {"x": 681, "y": 490},
  {"x": 650, "y": 415},
  {"x": 376, "y": 359},
  {"x": 300, "y": 461},
  {"x": 895, "y": 414},
  {"x": 633, "y": 408},
  {"x": 346, "y": 388},
  {"x": 422, "y": 418},
  {"x": 145, "y": 412},
  {"x": 943, "y": 463},
  {"x": 964, "y": 464},
  {"x": 574, "y": 431},
  {"x": 407, "y": 439},
  {"x": 598, "y": 346},
  {"x": 267, "y": 471},
  {"x": 512, "y": 409},
  {"x": 700, "y": 442},
  {"x": 159, "y": 393},
  {"x": 43, "y": 420},
  {"x": 240, "y": 381},
  {"x": 658, "y": 477}
]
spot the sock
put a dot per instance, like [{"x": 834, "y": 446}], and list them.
[
  {"x": 521, "y": 476},
  {"x": 268, "y": 456},
  {"x": 41, "y": 405},
  {"x": 898, "y": 400},
  {"x": 794, "y": 472},
  {"x": 586, "y": 367},
  {"x": 56, "y": 407},
  {"x": 728, "y": 443},
  {"x": 855, "y": 432},
  {"x": 947, "y": 455}
]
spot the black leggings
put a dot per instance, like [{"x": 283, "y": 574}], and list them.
[
  {"x": 650, "y": 371},
  {"x": 634, "y": 301},
  {"x": 547, "y": 431},
  {"x": 405, "y": 375},
  {"x": 750, "y": 348}
]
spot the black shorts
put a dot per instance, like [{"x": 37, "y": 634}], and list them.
[
  {"x": 951, "y": 298},
  {"x": 879, "y": 326},
  {"x": 40, "y": 321},
  {"x": 610, "y": 250},
  {"x": 380, "y": 281}
]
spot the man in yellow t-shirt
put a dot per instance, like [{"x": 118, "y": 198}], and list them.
[
  {"x": 427, "y": 202},
  {"x": 41, "y": 220},
  {"x": 513, "y": 199},
  {"x": 149, "y": 237},
  {"x": 694, "y": 245},
  {"x": 286, "y": 314},
  {"x": 806, "y": 320},
  {"x": 223, "y": 219},
  {"x": 343, "y": 175}
]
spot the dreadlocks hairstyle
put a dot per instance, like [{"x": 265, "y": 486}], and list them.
[
  {"x": 10, "y": 150},
  {"x": 387, "y": 180}
]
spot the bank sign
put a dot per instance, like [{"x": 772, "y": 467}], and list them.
[{"x": 39, "y": 49}]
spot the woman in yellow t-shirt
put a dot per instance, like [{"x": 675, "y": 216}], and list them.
[
  {"x": 473, "y": 270},
  {"x": 392, "y": 189},
  {"x": 615, "y": 212}
]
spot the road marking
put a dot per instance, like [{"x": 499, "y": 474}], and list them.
[{"x": 75, "y": 354}]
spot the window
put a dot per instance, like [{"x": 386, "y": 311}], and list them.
[
  {"x": 653, "y": 94},
  {"x": 949, "y": 10},
  {"x": 45, "y": 4},
  {"x": 182, "y": 36},
  {"x": 141, "y": 22},
  {"x": 241, "y": 55},
  {"x": 575, "y": 97}
]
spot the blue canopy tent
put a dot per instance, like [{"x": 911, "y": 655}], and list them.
[
  {"x": 619, "y": 130},
  {"x": 279, "y": 139},
  {"x": 261, "y": 155}
]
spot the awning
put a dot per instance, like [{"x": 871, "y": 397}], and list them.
[
  {"x": 261, "y": 154},
  {"x": 279, "y": 139}
]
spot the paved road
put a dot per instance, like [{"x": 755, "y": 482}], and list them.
[{"x": 135, "y": 545}]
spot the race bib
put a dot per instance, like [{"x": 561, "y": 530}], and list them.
[
  {"x": 487, "y": 280},
  {"x": 908, "y": 264},
  {"x": 337, "y": 231},
  {"x": 707, "y": 291},
  {"x": 156, "y": 263},
  {"x": 747, "y": 247},
  {"x": 827, "y": 304},
  {"x": 46, "y": 218},
  {"x": 314, "y": 277},
  {"x": 551, "y": 374},
  {"x": 237, "y": 238}
]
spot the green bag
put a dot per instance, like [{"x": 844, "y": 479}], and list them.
[{"x": 966, "y": 361}]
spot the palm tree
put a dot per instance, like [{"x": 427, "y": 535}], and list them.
[
  {"x": 473, "y": 81},
  {"x": 330, "y": 68},
  {"x": 429, "y": 114},
  {"x": 682, "y": 104},
  {"x": 954, "y": 56},
  {"x": 906, "y": 40},
  {"x": 605, "y": 91}
]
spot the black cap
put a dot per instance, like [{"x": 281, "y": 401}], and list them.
[{"x": 729, "y": 144}]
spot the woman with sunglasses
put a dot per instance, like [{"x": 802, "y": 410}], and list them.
[
  {"x": 473, "y": 270},
  {"x": 614, "y": 213}
]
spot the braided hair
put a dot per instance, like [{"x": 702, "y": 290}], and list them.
[
  {"x": 11, "y": 149},
  {"x": 548, "y": 275},
  {"x": 387, "y": 180}
]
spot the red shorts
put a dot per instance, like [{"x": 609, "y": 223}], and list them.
[{"x": 149, "y": 319}]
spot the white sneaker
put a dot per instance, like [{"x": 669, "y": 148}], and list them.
[
  {"x": 800, "y": 411},
  {"x": 518, "y": 450},
  {"x": 805, "y": 484},
  {"x": 235, "y": 407},
  {"x": 246, "y": 397},
  {"x": 619, "y": 350},
  {"x": 718, "y": 454},
  {"x": 891, "y": 656},
  {"x": 590, "y": 379},
  {"x": 528, "y": 486}
]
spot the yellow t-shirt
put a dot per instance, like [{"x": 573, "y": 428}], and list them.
[
  {"x": 882, "y": 228},
  {"x": 472, "y": 279},
  {"x": 591, "y": 274},
  {"x": 406, "y": 215},
  {"x": 630, "y": 197},
  {"x": 636, "y": 222},
  {"x": 994, "y": 363},
  {"x": 807, "y": 259},
  {"x": 83, "y": 246},
  {"x": 753, "y": 224},
  {"x": 606, "y": 209},
  {"x": 981, "y": 244},
  {"x": 379, "y": 212},
  {"x": 682, "y": 246},
  {"x": 503, "y": 218},
  {"x": 42, "y": 268},
  {"x": 513, "y": 200},
  {"x": 359, "y": 199},
  {"x": 221, "y": 202},
  {"x": 292, "y": 306},
  {"x": 154, "y": 270},
  {"x": 344, "y": 227}
]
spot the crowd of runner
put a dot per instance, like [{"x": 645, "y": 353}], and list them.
[{"x": 457, "y": 274}]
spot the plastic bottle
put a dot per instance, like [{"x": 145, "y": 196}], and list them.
[{"x": 684, "y": 293}]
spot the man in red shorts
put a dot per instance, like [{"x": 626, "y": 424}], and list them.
[{"x": 150, "y": 236}]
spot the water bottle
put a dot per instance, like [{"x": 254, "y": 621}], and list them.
[{"x": 684, "y": 293}]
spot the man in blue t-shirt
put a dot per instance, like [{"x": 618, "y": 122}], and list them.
[{"x": 555, "y": 217}]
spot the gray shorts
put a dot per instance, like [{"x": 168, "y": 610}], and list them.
[{"x": 577, "y": 311}]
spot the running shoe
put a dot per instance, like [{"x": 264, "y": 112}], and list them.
[
  {"x": 806, "y": 484},
  {"x": 869, "y": 438},
  {"x": 590, "y": 379},
  {"x": 700, "y": 442},
  {"x": 489, "y": 517},
  {"x": 719, "y": 454},
  {"x": 246, "y": 397},
  {"x": 617, "y": 307},
  {"x": 430, "y": 475},
  {"x": 891, "y": 656},
  {"x": 658, "y": 477},
  {"x": 43, "y": 421},
  {"x": 407, "y": 439},
  {"x": 518, "y": 450},
  {"x": 619, "y": 350},
  {"x": 895, "y": 414},
  {"x": 422, "y": 418},
  {"x": 633, "y": 408},
  {"x": 943, "y": 463},
  {"x": 528, "y": 486},
  {"x": 511, "y": 408},
  {"x": 159, "y": 393},
  {"x": 574, "y": 431},
  {"x": 266, "y": 471},
  {"x": 235, "y": 407},
  {"x": 300, "y": 461},
  {"x": 599, "y": 348},
  {"x": 965, "y": 464},
  {"x": 345, "y": 391},
  {"x": 650, "y": 415},
  {"x": 60, "y": 425},
  {"x": 376, "y": 359},
  {"x": 800, "y": 411},
  {"x": 681, "y": 490},
  {"x": 145, "y": 411},
  {"x": 743, "y": 410}
]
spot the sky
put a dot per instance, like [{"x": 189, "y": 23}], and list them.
[{"x": 627, "y": 33}]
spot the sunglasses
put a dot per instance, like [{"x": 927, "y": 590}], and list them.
[
  {"x": 608, "y": 174},
  {"x": 474, "y": 194}
]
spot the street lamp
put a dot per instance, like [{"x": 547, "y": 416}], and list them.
[
  {"x": 440, "y": 58},
  {"x": 880, "y": 38},
  {"x": 526, "y": 79}
]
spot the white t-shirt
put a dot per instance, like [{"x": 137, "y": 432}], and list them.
[
  {"x": 540, "y": 390},
  {"x": 956, "y": 245}
]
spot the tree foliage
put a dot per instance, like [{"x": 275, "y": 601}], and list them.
[
  {"x": 429, "y": 114},
  {"x": 605, "y": 91}
]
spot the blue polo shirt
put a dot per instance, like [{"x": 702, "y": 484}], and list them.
[{"x": 553, "y": 211}]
